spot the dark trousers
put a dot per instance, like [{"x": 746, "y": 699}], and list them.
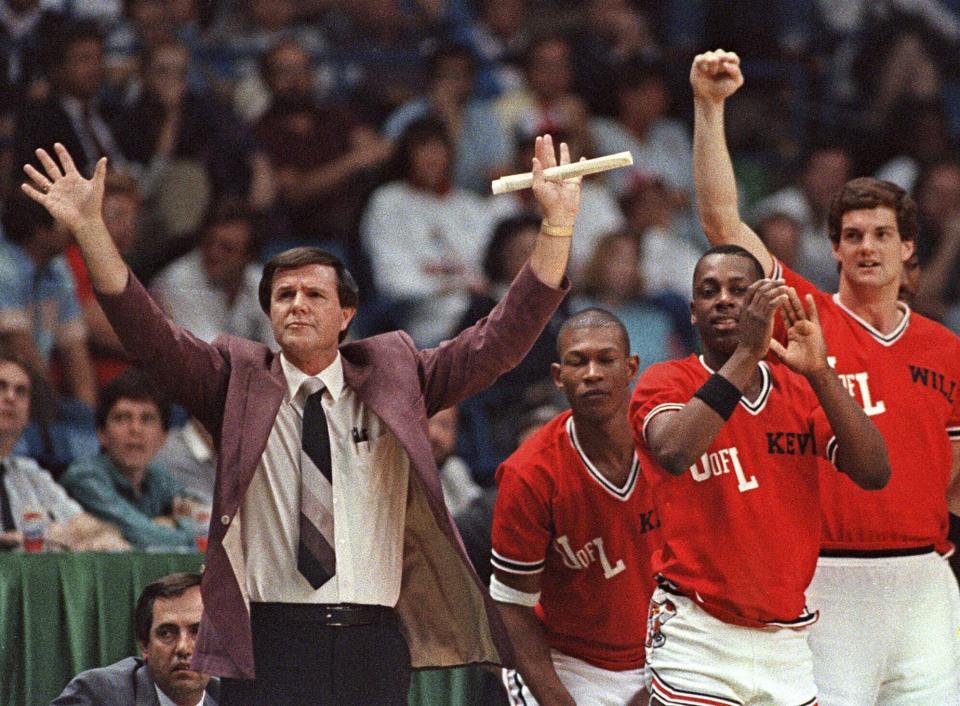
[{"x": 301, "y": 660}]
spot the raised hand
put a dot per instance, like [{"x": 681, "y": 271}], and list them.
[
  {"x": 715, "y": 75},
  {"x": 559, "y": 200},
  {"x": 806, "y": 350},
  {"x": 763, "y": 299},
  {"x": 63, "y": 191}
]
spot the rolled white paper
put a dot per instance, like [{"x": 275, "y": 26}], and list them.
[{"x": 516, "y": 182}]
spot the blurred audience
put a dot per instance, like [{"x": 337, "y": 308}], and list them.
[
  {"x": 39, "y": 312},
  {"x": 938, "y": 248},
  {"x": 123, "y": 485},
  {"x": 612, "y": 281},
  {"x": 456, "y": 478},
  {"x": 482, "y": 149},
  {"x": 322, "y": 155},
  {"x": 188, "y": 454},
  {"x": 121, "y": 213},
  {"x": 26, "y": 487},
  {"x": 212, "y": 290},
  {"x": 424, "y": 236},
  {"x": 824, "y": 170}
]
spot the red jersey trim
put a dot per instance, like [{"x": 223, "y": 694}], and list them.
[
  {"x": 884, "y": 339},
  {"x": 953, "y": 433},
  {"x": 512, "y": 566},
  {"x": 665, "y": 407},
  {"x": 623, "y": 493}
]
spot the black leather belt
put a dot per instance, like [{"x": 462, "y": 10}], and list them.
[
  {"x": 875, "y": 553},
  {"x": 329, "y": 614}
]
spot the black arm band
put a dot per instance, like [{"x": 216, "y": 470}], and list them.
[{"x": 720, "y": 395}]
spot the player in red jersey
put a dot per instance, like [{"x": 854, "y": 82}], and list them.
[
  {"x": 573, "y": 530},
  {"x": 890, "y": 607},
  {"x": 729, "y": 445}
]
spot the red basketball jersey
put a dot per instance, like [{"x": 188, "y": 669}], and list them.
[
  {"x": 908, "y": 382},
  {"x": 556, "y": 514},
  {"x": 741, "y": 527}
]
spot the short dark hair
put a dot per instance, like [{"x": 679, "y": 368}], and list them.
[
  {"x": 22, "y": 217},
  {"x": 170, "y": 586},
  {"x": 132, "y": 384},
  {"x": 230, "y": 210},
  {"x": 868, "y": 193},
  {"x": 505, "y": 231},
  {"x": 347, "y": 290},
  {"x": 593, "y": 317},
  {"x": 735, "y": 250},
  {"x": 419, "y": 132}
]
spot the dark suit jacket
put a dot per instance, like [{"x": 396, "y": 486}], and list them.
[
  {"x": 235, "y": 388},
  {"x": 124, "y": 683}
]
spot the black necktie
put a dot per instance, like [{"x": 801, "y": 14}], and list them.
[
  {"x": 8, "y": 523},
  {"x": 316, "y": 558}
]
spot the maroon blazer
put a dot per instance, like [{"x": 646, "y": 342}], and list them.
[{"x": 235, "y": 388}]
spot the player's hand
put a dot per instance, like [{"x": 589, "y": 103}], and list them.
[
  {"x": 559, "y": 200},
  {"x": 63, "y": 191},
  {"x": 806, "y": 350},
  {"x": 763, "y": 299},
  {"x": 715, "y": 75}
]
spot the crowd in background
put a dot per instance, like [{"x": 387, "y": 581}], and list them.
[{"x": 238, "y": 128}]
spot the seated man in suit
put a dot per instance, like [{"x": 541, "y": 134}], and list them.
[{"x": 166, "y": 621}]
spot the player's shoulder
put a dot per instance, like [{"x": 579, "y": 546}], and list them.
[
  {"x": 667, "y": 371},
  {"x": 932, "y": 331}
]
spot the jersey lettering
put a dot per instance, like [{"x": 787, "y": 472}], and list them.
[
  {"x": 720, "y": 462},
  {"x": 855, "y": 382},
  {"x": 934, "y": 380},
  {"x": 583, "y": 557},
  {"x": 791, "y": 443}
]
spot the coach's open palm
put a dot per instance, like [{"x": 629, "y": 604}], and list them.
[
  {"x": 806, "y": 350},
  {"x": 63, "y": 191}
]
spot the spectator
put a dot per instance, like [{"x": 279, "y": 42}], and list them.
[
  {"x": 121, "y": 212},
  {"x": 425, "y": 237},
  {"x": 546, "y": 100},
  {"x": 24, "y": 485},
  {"x": 490, "y": 418},
  {"x": 482, "y": 150},
  {"x": 781, "y": 234},
  {"x": 498, "y": 37},
  {"x": 611, "y": 32},
  {"x": 938, "y": 251},
  {"x": 170, "y": 123},
  {"x": 323, "y": 156},
  {"x": 212, "y": 290},
  {"x": 660, "y": 145},
  {"x": 655, "y": 218},
  {"x": 71, "y": 114},
  {"x": 166, "y": 620},
  {"x": 456, "y": 479},
  {"x": 824, "y": 170},
  {"x": 601, "y": 213},
  {"x": 39, "y": 313},
  {"x": 122, "y": 484},
  {"x": 612, "y": 281},
  {"x": 189, "y": 455}
]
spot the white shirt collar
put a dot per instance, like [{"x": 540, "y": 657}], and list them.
[
  {"x": 167, "y": 701},
  {"x": 331, "y": 377}
]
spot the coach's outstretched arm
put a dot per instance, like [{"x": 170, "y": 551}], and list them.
[
  {"x": 715, "y": 76},
  {"x": 77, "y": 203},
  {"x": 559, "y": 202}
]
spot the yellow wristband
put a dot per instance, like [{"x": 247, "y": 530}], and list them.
[{"x": 556, "y": 231}]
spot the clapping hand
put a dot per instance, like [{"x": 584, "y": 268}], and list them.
[{"x": 806, "y": 350}]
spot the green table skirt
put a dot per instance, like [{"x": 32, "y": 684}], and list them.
[{"x": 63, "y": 613}]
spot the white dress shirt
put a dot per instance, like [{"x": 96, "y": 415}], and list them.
[{"x": 370, "y": 486}]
